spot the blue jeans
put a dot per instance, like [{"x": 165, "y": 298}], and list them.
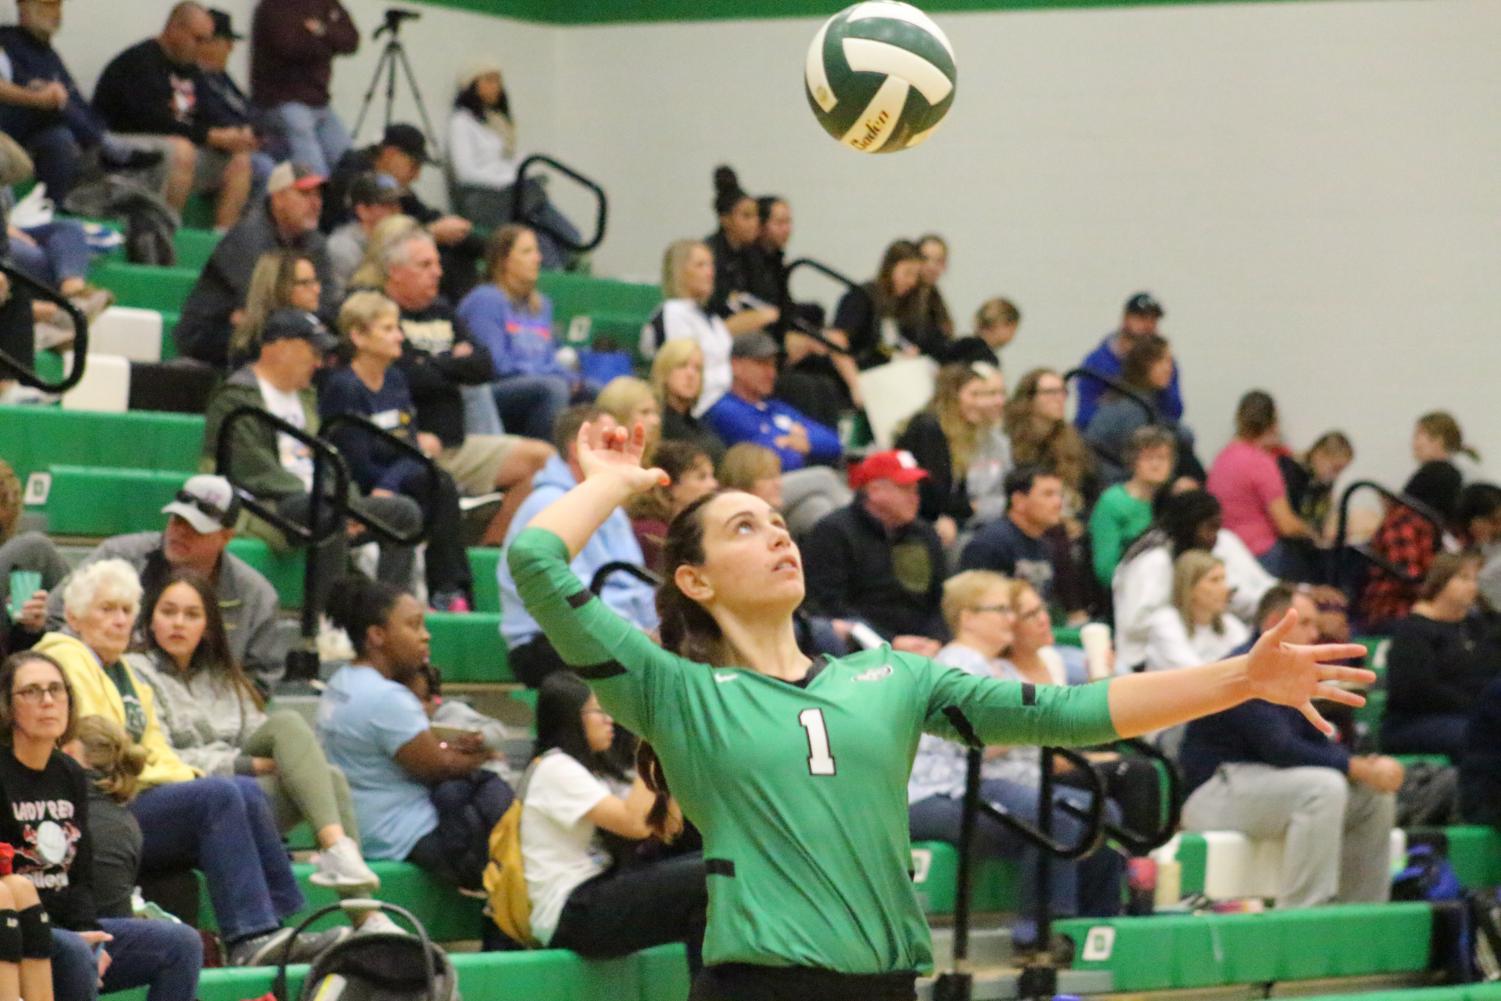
[
  {"x": 314, "y": 136},
  {"x": 1089, "y": 887},
  {"x": 162, "y": 956},
  {"x": 224, "y": 827},
  {"x": 55, "y": 151},
  {"x": 530, "y": 404},
  {"x": 61, "y": 252}
]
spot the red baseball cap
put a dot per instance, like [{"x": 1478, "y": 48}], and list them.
[{"x": 896, "y": 465}]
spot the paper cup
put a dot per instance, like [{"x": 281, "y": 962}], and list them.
[{"x": 1095, "y": 638}]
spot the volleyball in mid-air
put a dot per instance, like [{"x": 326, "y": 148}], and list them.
[{"x": 880, "y": 76}]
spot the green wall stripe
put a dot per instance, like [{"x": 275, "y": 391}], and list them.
[{"x": 624, "y": 11}]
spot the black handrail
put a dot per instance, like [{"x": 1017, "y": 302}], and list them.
[
  {"x": 1138, "y": 842},
  {"x": 597, "y": 582},
  {"x": 789, "y": 314},
  {"x": 361, "y": 425},
  {"x": 518, "y": 203},
  {"x": 1342, "y": 526},
  {"x": 26, "y": 374}
]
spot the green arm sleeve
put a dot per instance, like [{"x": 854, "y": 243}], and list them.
[
  {"x": 1106, "y": 540},
  {"x": 627, "y": 670},
  {"x": 972, "y": 709}
]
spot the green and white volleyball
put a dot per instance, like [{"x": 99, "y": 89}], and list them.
[{"x": 880, "y": 76}]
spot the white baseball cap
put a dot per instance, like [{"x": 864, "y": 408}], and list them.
[{"x": 208, "y": 503}]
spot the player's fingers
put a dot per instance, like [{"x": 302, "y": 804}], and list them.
[{"x": 1319, "y": 722}]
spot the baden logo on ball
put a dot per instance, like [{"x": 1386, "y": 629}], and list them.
[{"x": 880, "y": 76}]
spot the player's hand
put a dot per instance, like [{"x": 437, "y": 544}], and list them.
[
  {"x": 1294, "y": 675},
  {"x": 616, "y": 454}
]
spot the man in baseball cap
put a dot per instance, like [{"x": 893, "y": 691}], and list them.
[
  {"x": 876, "y": 560},
  {"x": 1139, "y": 319},
  {"x": 201, "y": 520},
  {"x": 373, "y": 197}
]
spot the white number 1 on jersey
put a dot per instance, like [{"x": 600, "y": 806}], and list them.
[{"x": 820, "y": 760}]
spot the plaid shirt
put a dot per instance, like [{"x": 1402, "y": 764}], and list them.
[{"x": 1408, "y": 542}]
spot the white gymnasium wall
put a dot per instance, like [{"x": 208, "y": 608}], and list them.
[{"x": 1310, "y": 188}]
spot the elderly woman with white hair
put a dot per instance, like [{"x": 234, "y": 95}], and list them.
[
  {"x": 222, "y": 826},
  {"x": 484, "y": 156}
]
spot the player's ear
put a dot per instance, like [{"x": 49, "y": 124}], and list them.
[{"x": 691, "y": 581}]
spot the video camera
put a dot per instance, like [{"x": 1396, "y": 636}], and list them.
[{"x": 394, "y": 17}]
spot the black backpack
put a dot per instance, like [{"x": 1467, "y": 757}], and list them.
[
  {"x": 150, "y": 224},
  {"x": 373, "y": 966}
]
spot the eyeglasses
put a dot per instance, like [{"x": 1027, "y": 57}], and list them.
[
  {"x": 35, "y": 694},
  {"x": 1051, "y": 391},
  {"x": 1033, "y": 613},
  {"x": 998, "y": 609},
  {"x": 306, "y": 281}
]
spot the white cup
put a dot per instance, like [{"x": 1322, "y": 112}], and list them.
[{"x": 1095, "y": 638}]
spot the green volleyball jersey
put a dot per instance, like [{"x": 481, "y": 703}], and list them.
[{"x": 800, "y": 792}]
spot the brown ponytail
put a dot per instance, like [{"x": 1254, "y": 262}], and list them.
[{"x": 686, "y": 630}]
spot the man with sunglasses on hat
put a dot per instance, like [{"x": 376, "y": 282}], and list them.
[{"x": 201, "y": 521}]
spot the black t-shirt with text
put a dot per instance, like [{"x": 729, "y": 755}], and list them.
[{"x": 45, "y": 821}]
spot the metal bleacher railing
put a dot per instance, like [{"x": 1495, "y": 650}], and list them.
[
  {"x": 1344, "y": 573},
  {"x": 528, "y": 214},
  {"x": 23, "y": 291}
]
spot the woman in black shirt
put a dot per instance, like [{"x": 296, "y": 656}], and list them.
[
  {"x": 881, "y": 319},
  {"x": 738, "y": 262}
]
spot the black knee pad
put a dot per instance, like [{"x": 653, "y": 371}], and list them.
[
  {"x": 36, "y": 933},
  {"x": 10, "y": 937}
]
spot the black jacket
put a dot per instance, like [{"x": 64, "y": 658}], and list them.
[
  {"x": 144, "y": 91},
  {"x": 856, "y": 570},
  {"x": 434, "y": 374}
]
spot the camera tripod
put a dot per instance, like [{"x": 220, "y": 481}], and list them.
[{"x": 394, "y": 55}]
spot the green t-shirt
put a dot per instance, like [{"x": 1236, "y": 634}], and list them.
[
  {"x": 800, "y": 792},
  {"x": 1117, "y": 520}
]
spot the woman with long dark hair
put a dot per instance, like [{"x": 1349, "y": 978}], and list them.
[
  {"x": 881, "y": 319},
  {"x": 485, "y": 157},
  {"x": 795, "y": 771},
  {"x": 739, "y": 265},
  {"x": 571, "y": 794}
]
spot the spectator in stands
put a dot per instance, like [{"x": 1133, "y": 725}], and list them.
[
  {"x": 574, "y": 792},
  {"x": 1143, "y": 580},
  {"x": 57, "y": 254},
  {"x": 187, "y": 820},
  {"x": 1408, "y": 541},
  {"x": 27, "y": 551},
  {"x": 1124, "y": 511},
  {"x": 292, "y": 49},
  {"x": 285, "y": 220},
  {"x": 282, "y": 279},
  {"x": 1197, "y": 628},
  {"x": 1440, "y": 660},
  {"x": 385, "y": 234},
  {"x": 877, "y": 560},
  {"x": 484, "y": 158},
  {"x": 51, "y": 881},
  {"x": 369, "y": 387},
  {"x": 774, "y": 216},
  {"x": 880, "y": 320},
  {"x": 373, "y": 198},
  {"x": 375, "y": 730},
  {"x": 278, "y": 469},
  {"x": 687, "y": 284},
  {"x": 440, "y": 359},
  {"x": 201, "y": 523},
  {"x": 1014, "y": 545},
  {"x": 748, "y": 412},
  {"x": 978, "y": 607},
  {"x": 738, "y": 264},
  {"x": 154, "y": 88},
  {"x": 755, "y": 470},
  {"x": 1034, "y": 420},
  {"x": 42, "y": 108},
  {"x": 1264, "y": 770},
  {"x": 690, "y": 474},
  {"x": 630, "y": 401},
  {"x": 114, "y": 764},
  {"x": 1477, "y": 513},
  {"x": 514, "y": 321},
  {"x": 954, "y": 434},
  {"x": 216, "y": 722},
  {"x": 532, "y": 656},
  {"x": 1310, "y": 480},
  {"x": 996, "y": 322},
  {"x": 1139, "y": 318},
  {"x": 933, "y": 311},
  {"x": 1437, "y": 437},
  {"x": 400, "y": 155},
  {"x": 1147, "y": 369},
  {"x": 222, "y": 98},
  {"x": 1249, "y": 486},
  {"x": 677, "y": 379},
  {"x": 1480, "y": 763}
]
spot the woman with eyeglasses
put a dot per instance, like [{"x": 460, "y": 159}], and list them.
[
  {"x": 49, "y": 920},
  {"x": 982, "y": 614},
  {"x": 282, "y": 279}
]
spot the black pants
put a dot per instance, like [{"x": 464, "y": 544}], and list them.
[
  {"x": 331, "y": 558},
  {"x": 745, "y": 982},
  {"x": 622, "y": 911},
  {"x": 447, "y": 562},
  {"x": 468, "y": 809},
  {"x": 534, "y": 660}
]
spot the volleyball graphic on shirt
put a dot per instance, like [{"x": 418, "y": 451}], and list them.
[{"x": 880, "y": 76}]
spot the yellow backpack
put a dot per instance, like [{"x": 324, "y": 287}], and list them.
[{"x": 505, "y": 881}]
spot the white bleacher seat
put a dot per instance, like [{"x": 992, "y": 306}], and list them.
[
  {"x": 105, "y": 385},
  {"x": 1237, "y": 867},
  {"x": 131, "y": 333}
]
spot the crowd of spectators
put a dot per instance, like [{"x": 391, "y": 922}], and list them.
[{"x": 336, "y": 297}]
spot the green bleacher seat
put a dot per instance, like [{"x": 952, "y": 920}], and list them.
[
  {"x": 995, "y": 885},
  {"x": 87, "y": 500},
  {"x": 39, "y": 437},
  {"x": 194, "y": 246},
  {"x": 616, "y": 309},
  {"x": 1177, "y": 952},
  {"x": 145, "y": 286},
  {"x": 1474, "y": 851},
  {"x": 283, "y": 569},
  {"x": 483, "y": 562},
  {"x": 468, "y": 648},
  {"x": 169, "y": 324}
]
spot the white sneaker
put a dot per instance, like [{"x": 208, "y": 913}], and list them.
[
  {"x": 379, "y": 922},
  {"x": 341, "y": 867}
]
